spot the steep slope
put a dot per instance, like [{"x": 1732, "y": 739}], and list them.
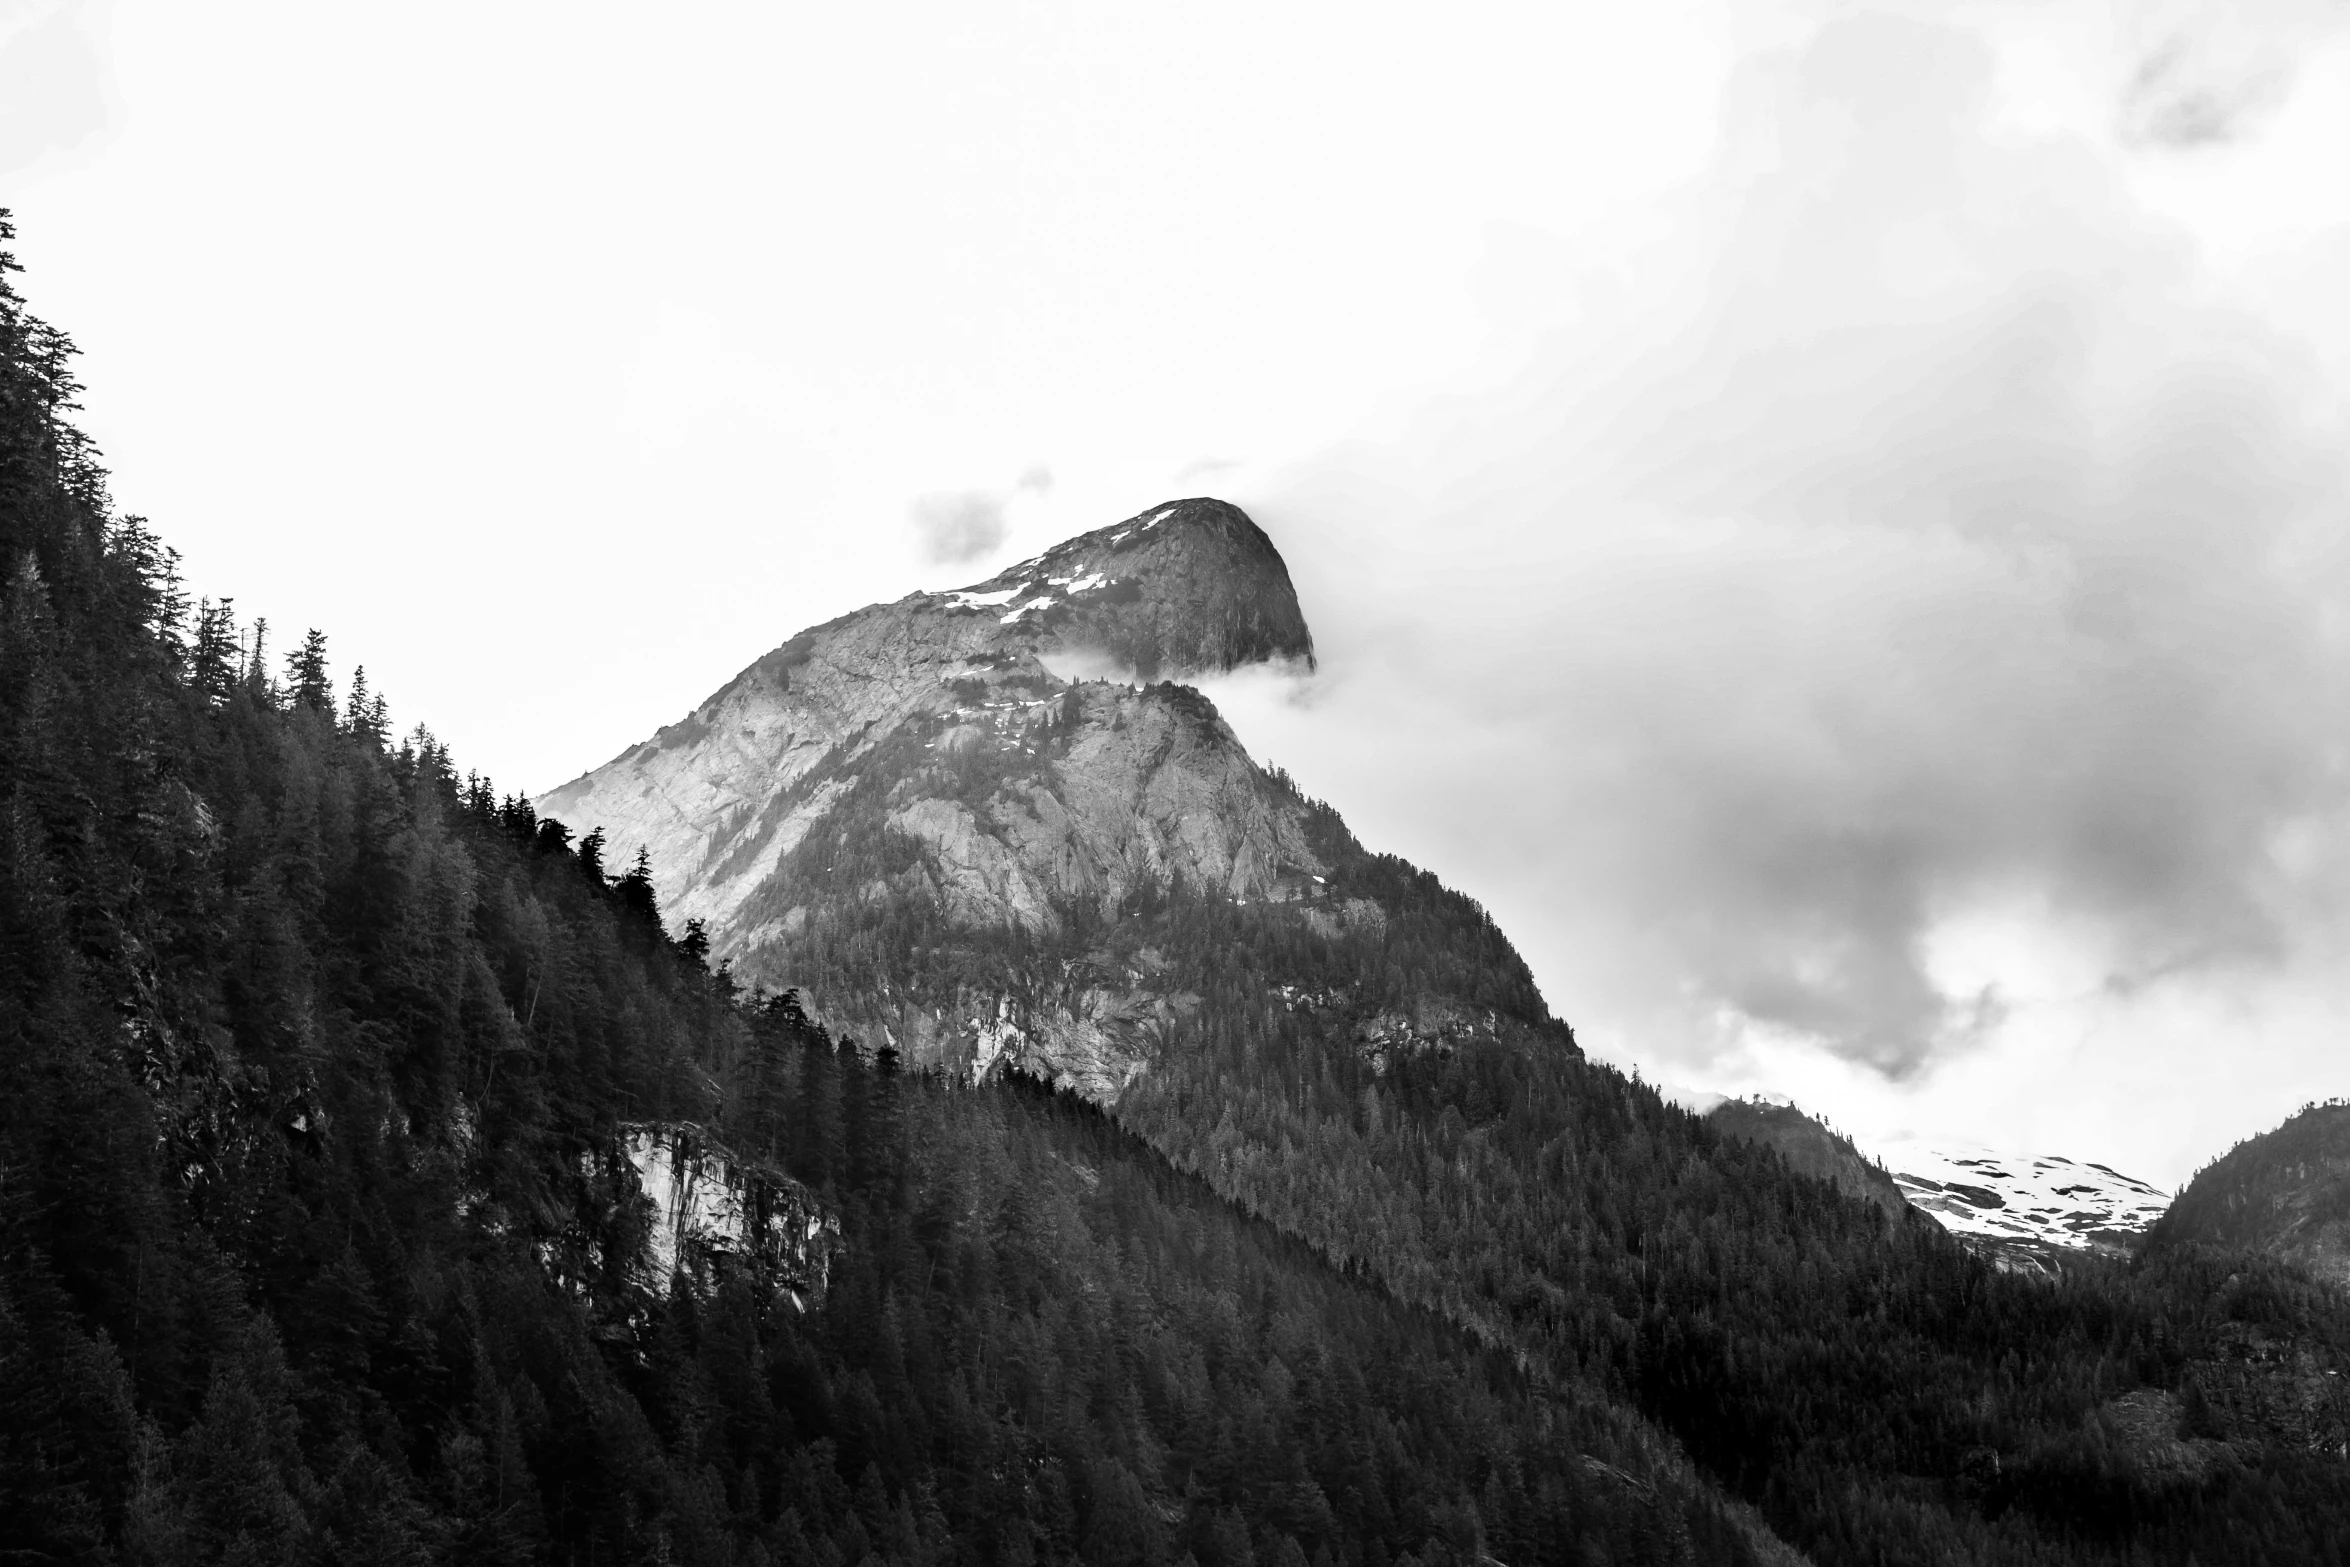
[
  {"x": 354, "y": 1119},
  {"x": 383, "y": 1185},
  {"x": 1007, "y": 866},
  {"x": 2285, "y": 1194},
  {"x": 953, "y": 849},
  {"x": 722, "y": 797},
  {"x": 1809, "y": 1148}
]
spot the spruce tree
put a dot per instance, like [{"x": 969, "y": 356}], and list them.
[
  {"x": 215, "y": 655},
  {"x": 635, "y": 890},
  {"x": 591, "y": 855},
  {"x": 307, "y": 685}
]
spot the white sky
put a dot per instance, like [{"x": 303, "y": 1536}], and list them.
[{"x": 559, "y": 360}]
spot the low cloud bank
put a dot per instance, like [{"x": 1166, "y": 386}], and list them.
[{"x": 1907, "y": 598}]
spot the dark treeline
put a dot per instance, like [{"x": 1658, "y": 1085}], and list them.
[
  {"x": 314, "y": 1245},
  {"x": 2289, "y": 1187}
]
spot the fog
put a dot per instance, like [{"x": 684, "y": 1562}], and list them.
[{"x": 1887, "y": 647}]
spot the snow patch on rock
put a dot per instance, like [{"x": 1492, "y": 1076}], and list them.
[
  {"x": 2049, "y": 1201},
  {"x": 965, "y": 598}
]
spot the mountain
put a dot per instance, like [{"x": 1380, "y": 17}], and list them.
[
  {"x": 949, "y": 830},
  {"x": 2283, "y": 1194},
  {"x": 929, "y": 820},
  {"x": 2030, "y": 1211},
  {"x": 2029, "y": 1215},
  {"x": 386, "y": 1181},
  {"x": 1810, "y": 1148},
  {"x": 724, "y": 797}
]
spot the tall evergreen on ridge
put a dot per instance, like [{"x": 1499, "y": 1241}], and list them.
[{"x": 307, "y": 685}]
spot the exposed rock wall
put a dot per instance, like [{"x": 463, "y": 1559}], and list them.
[
  {"x": 722, "y": 797},
  {"x": 920, "y": 815},
  {"x": 924, "y": 753},
  {"x": 711, "y": 1212}
]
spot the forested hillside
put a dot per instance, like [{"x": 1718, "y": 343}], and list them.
[
  {"x": 316, "y": 1245},
  {"x": 2285, "y": 1193},
  {"x": 318, "y": 1240},
  {"x": 1393, "y": 1089}
]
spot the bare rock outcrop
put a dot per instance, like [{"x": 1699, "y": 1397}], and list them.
[
  {"x": 711, "y": 1212},
  {"x": 724, "y": 795},
  {"x": 952, "y": 820}
]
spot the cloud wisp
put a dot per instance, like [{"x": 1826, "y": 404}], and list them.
[
  {"x": 1908, "y": 549},
  {"x": 56, "y": 82},
  {"x": 956, "y": 527},
  {"x": 2205, "y": 71}
]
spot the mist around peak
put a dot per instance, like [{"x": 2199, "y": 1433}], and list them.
[{"x": 1892, "y": 635}]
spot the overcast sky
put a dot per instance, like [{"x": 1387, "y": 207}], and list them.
[{"x": 1829, "y": 519}]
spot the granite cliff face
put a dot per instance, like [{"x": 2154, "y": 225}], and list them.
[
  {"x": 709, "y": 1212},
  {"x": 941, "y": 820},
  {"x": 722, "y": 797}
]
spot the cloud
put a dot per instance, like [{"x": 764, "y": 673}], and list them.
[
  {"x": 2205, "y": 71},
  {"x": 1907, "y": 561},
  {"x": 1206, "y": 468},
  {"x": 55, "y": 81},
  {"x": 955, "y": 527}
]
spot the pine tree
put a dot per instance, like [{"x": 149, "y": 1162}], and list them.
[
  {"x": 635, "y": 890},
  {"x": 307, "y": 685},
  {"x": 256, "y": 670},
  {"x": 358, "y": 709},
  {"x": 365, "y": 716},
  {"x": 214, "y": 658},
  {"x": 591, "y": 856}
]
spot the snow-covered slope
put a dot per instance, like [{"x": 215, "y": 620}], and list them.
[{"x": 2048, "y": 1203}]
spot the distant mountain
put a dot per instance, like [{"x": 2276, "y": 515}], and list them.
[
  {"x": 2285, "y": 1194},
  {"x": 2025, "y": 1213},
  {"x": 1810, "y": 1148},
  {"x": 2030, "y": 1211}
]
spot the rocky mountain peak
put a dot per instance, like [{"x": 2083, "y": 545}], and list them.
[
  {"x": 1189, "y": 587},
  {"x": 724, "y": 796},
  {"x": 987, "y": 825}
]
